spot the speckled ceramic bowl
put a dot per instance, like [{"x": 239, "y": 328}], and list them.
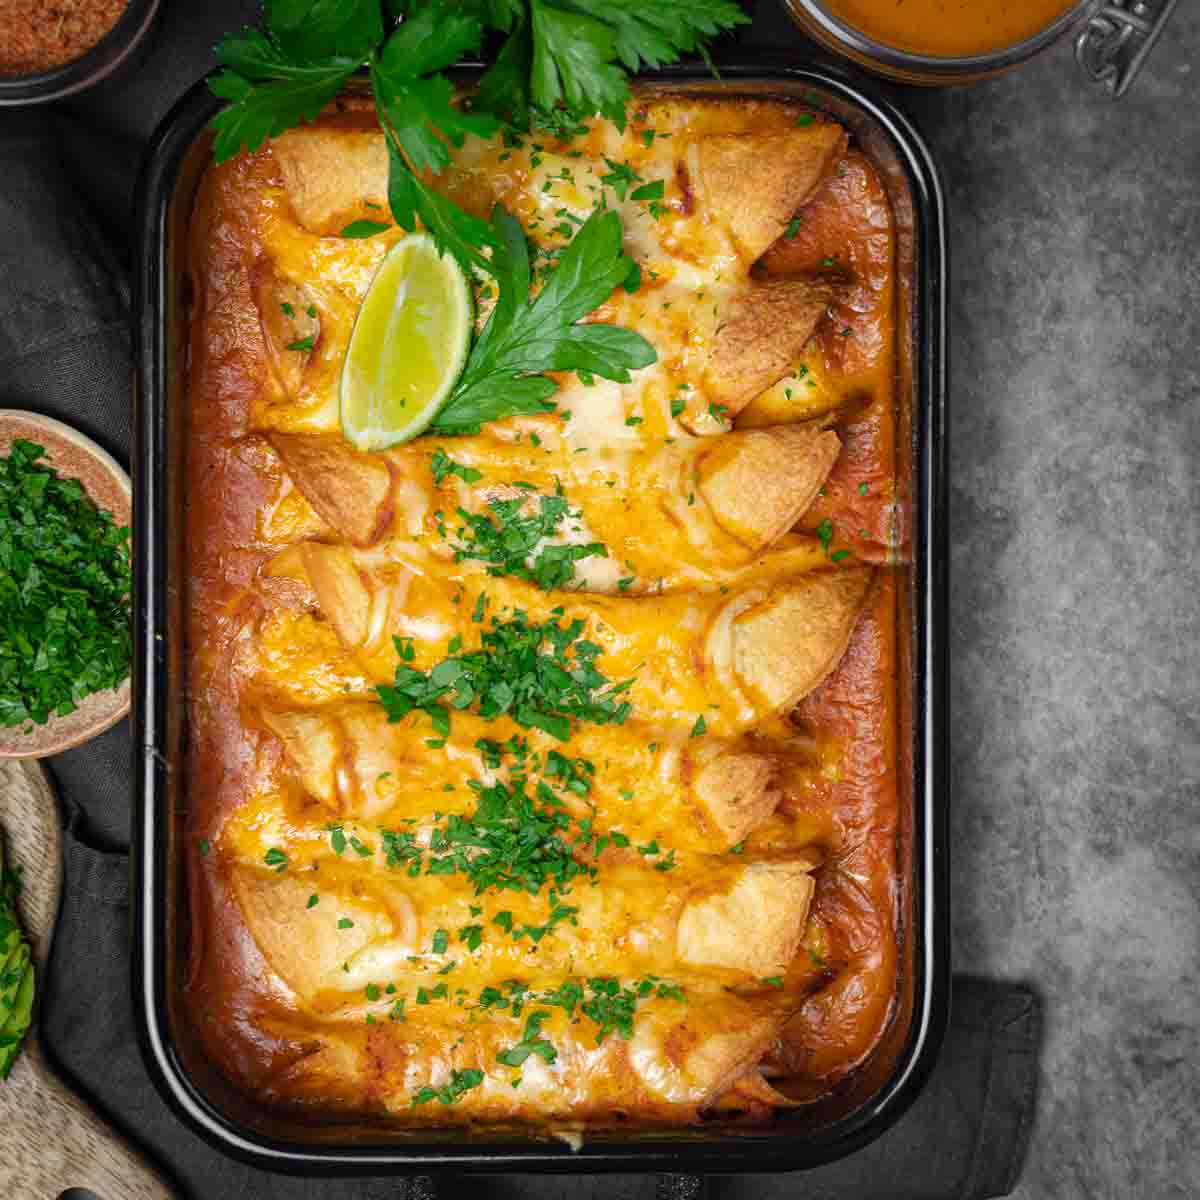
[{"x": 106, "y": 482}]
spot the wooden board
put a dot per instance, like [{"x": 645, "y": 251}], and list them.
[{"x": 49, "y": 1139}]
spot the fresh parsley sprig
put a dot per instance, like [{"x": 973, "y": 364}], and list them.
[
  {"x": 560, "y": 62},
  {"x": 524, "y": 338}
]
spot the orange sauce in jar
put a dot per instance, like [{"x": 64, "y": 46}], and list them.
[{"x": 949, "y": 28}]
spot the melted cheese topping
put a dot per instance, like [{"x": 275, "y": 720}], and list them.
[{"x": 350, "y": 844}]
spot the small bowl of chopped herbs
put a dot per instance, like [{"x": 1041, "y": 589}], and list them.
[{"x": 65, "y": 619}]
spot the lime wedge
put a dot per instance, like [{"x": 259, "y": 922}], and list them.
[{"x": 408, "y": 346}]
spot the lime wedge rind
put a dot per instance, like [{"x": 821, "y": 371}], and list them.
[{"x": 408, "y": 346}]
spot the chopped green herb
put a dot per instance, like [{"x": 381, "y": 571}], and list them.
[
  {"x": 543, "y": 676},
  {"x": 276, "y": 858},
  {"x": 304, "y": 343},
  {"x": 363, "y": 229},
  {"x": 441, "y": 940},
  {"x": 460, "y": 1083},
  {"x": 441, "y": 464},
  {"x": 64, "y": 592},
  {"x": 700, "y": 726},
  {"x": 531, "y": 1043},
  {"x": 313, "y": 901},
  {"x": 621, "y": 176},
  {"x": 649, "y": 191},
  {"x": 513, "y": 541}
]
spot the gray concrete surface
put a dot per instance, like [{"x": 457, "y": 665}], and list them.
[{"x": 1075, "y": 414}]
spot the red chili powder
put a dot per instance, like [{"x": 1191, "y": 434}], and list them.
[{"x": 37, "y": 35}]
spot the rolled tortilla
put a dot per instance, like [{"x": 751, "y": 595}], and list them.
[
  {"x": 331, "y": 173},
  {"x": 352, "y": 491},
  {"x": 703, "y": 795},
  {"x": 760, "y": 334},
  {"x": 755, "y": 184},
  {"x": 372, "y": 923},
  {"x": 682, "y": 1056},
  {"x": 736, "y": 659},
  {"x": 711, "y": 501}
]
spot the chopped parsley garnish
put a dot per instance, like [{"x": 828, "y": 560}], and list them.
[
  {"x": 441, "y": 464},
  {"x": 511, "y": 540},
  {"x": 793, "y": 228},
  {"x": 441, "y": 940},
  {"x": 276, "y": 858},
  {"x": 804, "y": 120},
  {"x": 839, "y": 555},
  {"x": 304, "y": 343},
  {"x": 542, "y": 675},
  {"x": 825, "y": 533},
  {"x": 345, "y": 923},
  {"x": 313, "y": 901},
  {"x": 363, "y": 229},
  {"x": 64, "y": 592},
  {"x": 611, "y": 1008},
  {"x": 678, "y": 404},
  {"x": 649, "y": 191},
  {"x": 460, "y": 1083},
  {"x": 864, "y": 488},
  {"x": 621, "y": 176},
  {"x": 531, "y": 1042}
]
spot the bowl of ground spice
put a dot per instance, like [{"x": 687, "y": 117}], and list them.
[
  {"x": 66, "y": 638},
  {"x": 54, "y": 48}
]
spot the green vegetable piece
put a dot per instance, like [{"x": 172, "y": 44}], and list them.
[{"x": 64, "y": 591}]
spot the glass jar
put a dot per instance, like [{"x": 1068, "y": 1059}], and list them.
[{"x": 1112, "y": 40}]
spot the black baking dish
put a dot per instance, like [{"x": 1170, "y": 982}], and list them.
[{"x": 873, "y": 1096}]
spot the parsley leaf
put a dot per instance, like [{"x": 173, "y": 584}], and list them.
[
  {"x": 531, "y": 1042},
  {"x": 460, "y": 1083},
  {"x": 524, "y": 338},
  {"x": 363, "y": 229},
  {"x": 441, "y": 464},
  {"x": 269, "y": 90}
]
